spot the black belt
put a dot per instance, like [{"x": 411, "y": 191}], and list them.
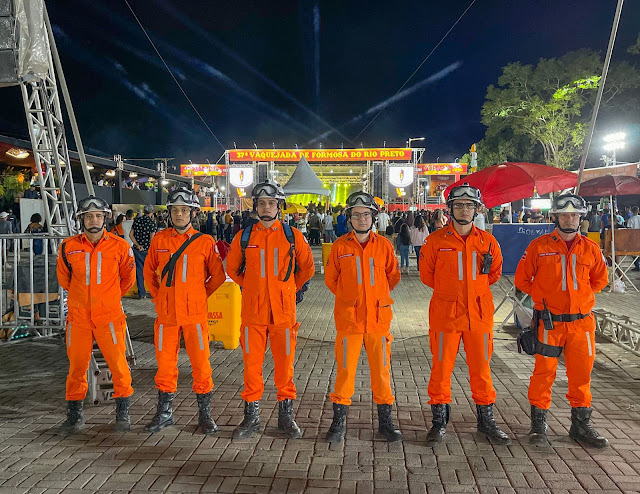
[{"x": 568, "y": 317}]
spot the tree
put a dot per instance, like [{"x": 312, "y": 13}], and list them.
[{"x": 549, "y": 105}]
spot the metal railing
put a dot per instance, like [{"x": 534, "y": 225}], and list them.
[
  {"x": 619, "y": 329},
  {"x": 31, "y": 301}
]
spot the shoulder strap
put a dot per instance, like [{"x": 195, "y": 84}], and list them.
[
  {"x": 169, "y": 268},
  {"x": 244, "y": 241},
  {"x": 63, "y": 251},
  {"x": 291, "y": 238}
]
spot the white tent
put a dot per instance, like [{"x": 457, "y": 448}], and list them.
[{"x": 304, "y": 181}]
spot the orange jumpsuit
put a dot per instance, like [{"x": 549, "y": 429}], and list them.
[
  {"x": 182, "y": 307},
  {"x": 566, "y": 279},
  {"x": 269, "y": 304},
  {"x": 461, "y": 308},
  {"x": 100, "y": 275},
  {"x": 361, "y": 280}
]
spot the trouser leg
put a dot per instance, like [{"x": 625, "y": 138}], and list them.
[
  {"x": 253, "y": 340},
  {"x": 140, "y": 256},
  {"x": 112, "y": 343},
  {"x": 283, "y": 347},
  {"x": 478, "y": 346},
  {"x": 444, "y": 349},
  {"x": 544, "y": 371},
  {"x": 378, "y": 348},
  {"x": 347, "y": 353},
  {"x": 196, "y": 341},
  {"x": 579, "y": 356},
  {"x": 167, "y": 340},
  {"x": 79, "y": 341},
  {"x": 417, "y": 249}
]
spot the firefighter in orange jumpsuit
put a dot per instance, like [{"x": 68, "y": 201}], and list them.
[
  {"x": 460, "y": 262},
  {"x": 270, "y": 268},
  {"x": 180, "y": 296},
  {"x": 97, "y": 268},
  {"x": 561, "y": 270},
  {"x": 361, "y": 270}
]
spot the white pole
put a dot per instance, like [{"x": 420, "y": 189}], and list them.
[{"x": 613, "y": 244}]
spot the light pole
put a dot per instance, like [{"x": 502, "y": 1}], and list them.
[
  {"x": 411, "y": 139},
  {"x": 613, "y": 142}
]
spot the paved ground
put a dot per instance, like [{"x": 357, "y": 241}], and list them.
[{"x": 34, "y": 459}]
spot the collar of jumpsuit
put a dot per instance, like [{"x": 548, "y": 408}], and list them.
[
  {"x": 105, "y": 236},
  {"x": 189, "y": 233}
]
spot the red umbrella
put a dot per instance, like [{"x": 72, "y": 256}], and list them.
[
  {"x": 507, "y": 182},
  {"x": 610, "y": 185}
]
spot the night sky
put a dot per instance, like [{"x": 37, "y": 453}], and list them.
[{"x": 287, "y": 72}]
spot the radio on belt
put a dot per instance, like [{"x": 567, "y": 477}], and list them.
[
  {"x": 486, "y": 263},
  {"x": 545, "y": 315}
]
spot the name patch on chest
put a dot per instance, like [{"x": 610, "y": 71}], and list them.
[
  {"x": 252, "y": 246},
  {"x": 545, "y": 254},
  {"x": 345, "y": 255},
  {"x": 447, "y": 250},
  {"x": 76, "y": 252},
  {"x": 162, "y": 250}
]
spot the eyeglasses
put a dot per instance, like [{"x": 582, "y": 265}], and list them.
[
  {"x": 364, "y": 216},
  {"x": 464, "y": 205}
]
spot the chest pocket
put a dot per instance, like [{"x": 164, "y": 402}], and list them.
[
  {"x": 351, "y": 270},
  {"x": 554, "y": 268},
  {"x": 107, "y": 266},
  {"x": 192, "y": 268},
  {"x": 256, "y": 259},
  {"x": 447, "y": 261},
  {"x": 81, "y": 266}
]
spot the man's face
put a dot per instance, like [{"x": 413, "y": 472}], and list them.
[
  {"x": 463, "y": 209},
  {"x": 94, "y": 221},
  {"x": 569, "y": 220},
  {"x": 180, "y": 216},
  {"x": 361, "y": 218},
  {"x": 267, "y": 207}
]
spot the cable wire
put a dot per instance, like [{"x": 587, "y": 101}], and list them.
[
  {"x": 173, "y": 76},
  {"x": 419, "y": 66}
]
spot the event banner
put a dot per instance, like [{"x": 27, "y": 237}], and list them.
[
  {"x": 441, "y": 168},
  {"x": 197, "y": 170},
  {"x": 378, "y": 154}
]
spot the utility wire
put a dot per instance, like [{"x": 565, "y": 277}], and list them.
[
  {"x": 173, "y": 76},
  {"x": 419, "y": 66}
]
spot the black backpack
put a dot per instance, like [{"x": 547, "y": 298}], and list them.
[{"x": 288, "y": 232}]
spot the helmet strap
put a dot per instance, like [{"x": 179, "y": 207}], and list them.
[
  {"x": 556, "y": 221},
  {"x": 93, "y": 229},
  {"x": 464, "y": 222},
  {"x": 180, "y": 229}
]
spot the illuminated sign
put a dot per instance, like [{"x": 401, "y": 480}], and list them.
[
  {"x": 196, "y": 170},
  {"x": 441, "y": 168},
  {"x": 400, "y": 176},
  {"x": 378, "y": 154},
  {"x": 241, "y": 177}
]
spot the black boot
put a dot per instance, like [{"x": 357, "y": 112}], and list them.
[
  {"x": 75, "y": 420},
  {"x": 285, "y": 420},
  {"x": 441, "y": 414},
  {"x": 251, "y": 421},
  {"x": 164, "y": 415},
  {"x": 339, "y": 424},
  {"x": 487, "y": 425},
  {"x": 123, "y": 420},
  {"x": 206, "y": 423},
  {"x": 386, "y": 426},
  {"x": 538, "y": 432},
  {"x": 582, "y": 431}
]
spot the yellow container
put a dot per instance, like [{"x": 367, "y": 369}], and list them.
[
  {"x": 223, "y": 315},
  {"x": 326, "y": 250},
  {"x": 595, "y": 236}
]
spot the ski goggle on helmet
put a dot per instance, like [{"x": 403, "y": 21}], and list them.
[
  {"x": 183, "y": 197},
  {"x": 93, "y": 204},
  {"x": 569, "y": 203},
  {"x": 361, "y": 199},
  {"x": 465, "y": 191},
  {"x": 268, "y": 189}
]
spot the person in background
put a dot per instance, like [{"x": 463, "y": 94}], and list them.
[
  {"x": 634, "y": 223},
  {"x": 327, "y": 223},
  {"x": 31, "y": 192},
  {"x": 404, "y": 244},
  {"x": 418, "y": 233},
  {"x": 383, "y": 222},
  {"x": 479, "y": 220},
  {"x": 594, "y": 221},
  {"x": 127, "y": 223},
  {"x": 626, "y": 215},
  {"x": 117, "y": 228},
  {"x": 341, "y": 223},
  {"x": 142, "y": 231}
]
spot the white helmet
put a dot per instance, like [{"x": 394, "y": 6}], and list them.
[
  {"x": 183, "y": 197},
  {"x": 465, "y": 191},
  {"x": 569, "y": 203}
]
